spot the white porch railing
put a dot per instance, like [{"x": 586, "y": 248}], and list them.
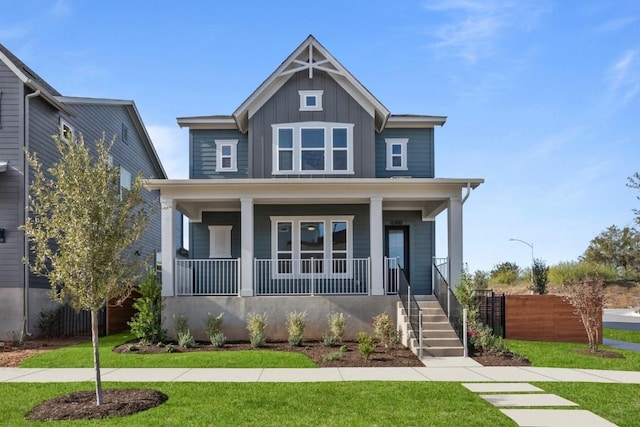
[
  {"x": 312, "y": 276},
  {"x": 207, "y": 276},
  {"x": 391, "y": 276}
]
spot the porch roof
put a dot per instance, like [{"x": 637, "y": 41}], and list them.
[{"x": 429, "y": 195}]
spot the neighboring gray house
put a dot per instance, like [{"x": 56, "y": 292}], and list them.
[
  {"x": 31, "y": 111},
  {"x": 307, "y": 197}
]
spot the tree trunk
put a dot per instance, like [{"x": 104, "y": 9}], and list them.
[{"x": 96, "y": 355}]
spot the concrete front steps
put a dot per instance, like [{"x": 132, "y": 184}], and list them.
[{"x": 439, "y": 338}]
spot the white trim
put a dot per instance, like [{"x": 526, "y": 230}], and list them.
[
  {"x": 402, "y": 142},
  {"x": 305, "y": 95},
  {"x": 296, "y": 252},
  {"x": 125, "y": 180},
  {"x": 297, "y": 149},
  {"x": 66, "y": 130},
  {"x": 220, "y": 241},
  {"x": 233, "y": 156}
]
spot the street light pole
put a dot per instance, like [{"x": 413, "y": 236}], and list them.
[{"x": 533, "y": 260}]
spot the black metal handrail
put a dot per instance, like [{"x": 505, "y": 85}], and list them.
[
  {"x": 409, "y": 303},
  {"x": 449, "y": 303}
]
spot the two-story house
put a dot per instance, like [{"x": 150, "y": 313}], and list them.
[
  {"x": 307, "y": 198},
  {"x": 31, "y": 111}
]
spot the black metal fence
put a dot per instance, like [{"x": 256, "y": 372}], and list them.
[{"x": 491, "y": 310}]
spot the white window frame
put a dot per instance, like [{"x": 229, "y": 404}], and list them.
[
  {"x": 297, "y": 148},
  {"x": 327, "y": 250},
  {"x": 402, "y": 142},
  {"x": 233, "y": 143},
  {"x": 220, "y": 241},
  {"x": 66, "y": 130},
  {"x": 126, "y": 180},
  {"x": 306, "y": 94}
]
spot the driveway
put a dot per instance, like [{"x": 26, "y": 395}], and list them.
[{"x": 621, "y": 318}]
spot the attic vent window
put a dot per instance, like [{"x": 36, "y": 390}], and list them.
[
  {"x": 66, "y": 130},
  {"x": 125, "y": 133},
  {"x": 310, "y": 100}
]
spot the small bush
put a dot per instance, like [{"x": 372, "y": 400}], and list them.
[
  {"x": 213, "y": 328},
  {"x": 256, "y": 324},
  {"x": 147, "y": 322},
  {"x": 329, "y": 340},
  {"x": 336, "y": 354},
  {"x": 296, "y": 322},
  {"x": 180, "y": 324},
  {"x": 385, "y": 330},
  {"x": 366, "y": 345},
  {"x": 15, "y": 337},
  {"x": 337, "y": 323},
  {"x": 49, "y": 322},
  {"x": 170, "y": 348},
  {"x": 481, "y": 338},
  {"x": 186, "y": 340}
]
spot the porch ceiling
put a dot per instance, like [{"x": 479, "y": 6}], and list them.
[{"x": 429, "y": 196}]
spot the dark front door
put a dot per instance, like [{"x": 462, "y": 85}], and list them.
[{"x": 396, "y": 246}]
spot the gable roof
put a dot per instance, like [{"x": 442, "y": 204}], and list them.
[
  {"x": 31, "y": 78},
  {"x": 137, "y": 120},
  {"x": 310, "y": 56}
]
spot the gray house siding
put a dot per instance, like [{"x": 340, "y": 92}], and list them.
[
  {"x": 338, "y": 106},
  {"x": 421, "y": 247},
  {"x": 420, "y": 153},
  {"x": 200, "y": 233},
  {"x": 11, "y": 181},
  {"x": 203, "y": 154}
]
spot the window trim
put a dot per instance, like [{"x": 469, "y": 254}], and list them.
[
  {"x": 402, "y": 142},
  {"x": 125, "y": 173},
  {"x": 233, "y": 143},
  {"x": 304, "y": 94},
  {"x": 63, "y": 126},
  {"x": 297, "y": 150},
  {"x": 295, "y": 252}
]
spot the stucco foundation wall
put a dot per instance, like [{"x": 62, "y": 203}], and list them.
[
  {"x": 359, "y": 309},
  {"x": 10, "y": 311},
  {"x": 39, "y": 300}
]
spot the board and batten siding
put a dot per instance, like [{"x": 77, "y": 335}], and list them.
[
  {"x": 262, "y": 224},
  {"x": 420, "y": 153},
  {"x": 11, "y": 181},
  {"x": 203, "y": 154},
  {"x": 337, "y": 107},
  {"x": 200, "y": 233},
  {"x": 421, "y": 247}
]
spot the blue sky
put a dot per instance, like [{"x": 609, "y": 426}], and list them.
[{"x": 542, "y": 97}]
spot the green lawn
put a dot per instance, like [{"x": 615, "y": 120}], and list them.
[
  {"x": 281, "y": 404},
  {"x": 81, "y": 356},
  {"x": 561, "y": 355},
  {"x": 621, "y": 335}
]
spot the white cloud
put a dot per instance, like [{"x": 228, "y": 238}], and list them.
[
  {"x": 616, "y": 24},
  {"x": 477, "y": 26},
  {"x": 623, "y": 78},
  {"x": 172, "y": 145}
]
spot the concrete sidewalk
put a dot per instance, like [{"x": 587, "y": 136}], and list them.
[{"x": 462, "y": 374}]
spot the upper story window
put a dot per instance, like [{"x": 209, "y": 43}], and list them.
[
  {"x": 125, "y": 181},
  {"x": 396, "y": 153},
  {"x": 125, "y": 133},
  {"x": 66, "y": 130},
  {"x": 226, "y": 155},
  {"x": 310, "y": 100},
  {"x": 312, "y": 148}
]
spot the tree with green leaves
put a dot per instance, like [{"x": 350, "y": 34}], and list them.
[
  {"x": 82, "y": 229},
  {"x": 540, "y": 277},
  {"x": 617, "y": 248},
  {"x": 634, "y": 182},
  {"x": 506, "y": 273}
]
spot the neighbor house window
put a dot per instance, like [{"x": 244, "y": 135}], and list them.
[
  {"x": 226, "y": 155},
  {"x": 305, "y": 245},
  {"x": 313, "y": 148},
  {"x": 66, "y": 130},
  {"x": 396, "y": 153},
  {"x": 125, "y": 133},
  {"x": 310, "y": 100},
  {"x": 125, "y": 181}
]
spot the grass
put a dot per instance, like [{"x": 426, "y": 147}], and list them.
[
  {"x": 621, "y": 335},
  {"x": 618, "y": 403},
  {"x": 280, "y": 404},
  {"x": 81, "y": 356},
  {"x": 561, "y": 355}
]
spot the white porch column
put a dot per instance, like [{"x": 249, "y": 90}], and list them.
[
  {"x": 377, "y": 245},
  {"x": 454, "y": 224},
  {"x": 246, "y": 232},
  {"x": 168, "y": 229}
]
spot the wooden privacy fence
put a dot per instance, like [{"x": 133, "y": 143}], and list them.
[{"x": 544, "y": 318}]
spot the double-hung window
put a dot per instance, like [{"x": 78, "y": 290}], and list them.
[
  {"x": 311, "y": 245},
  {"x": 226, "y": 155},
  {"x": 396, "y": 153},
  {"x": 313, "y": 148}
]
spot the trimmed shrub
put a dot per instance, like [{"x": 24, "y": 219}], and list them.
[
  {"x": 256, "y": 324},
  {"x": 296, "y": 322},
  {"x": 213, "y": 327},
  {"x": 385, "y": 330},
  {"x": 366, "y": 345},
  {"x": 183, "y": 331}
]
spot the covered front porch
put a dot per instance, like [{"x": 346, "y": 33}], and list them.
[{"x": 257, "y": 219}]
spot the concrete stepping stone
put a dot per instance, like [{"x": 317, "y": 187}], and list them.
[
  {"x": 510, "y": 400},
  {"x": 501, "y": 387},
  {"x": 556, "y": 418}
]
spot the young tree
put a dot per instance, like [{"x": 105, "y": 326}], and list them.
[
  {"x": 82, "y": 228},
  {"x": 540, "y": 277},
  {"x": 586, "y": 296}
]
